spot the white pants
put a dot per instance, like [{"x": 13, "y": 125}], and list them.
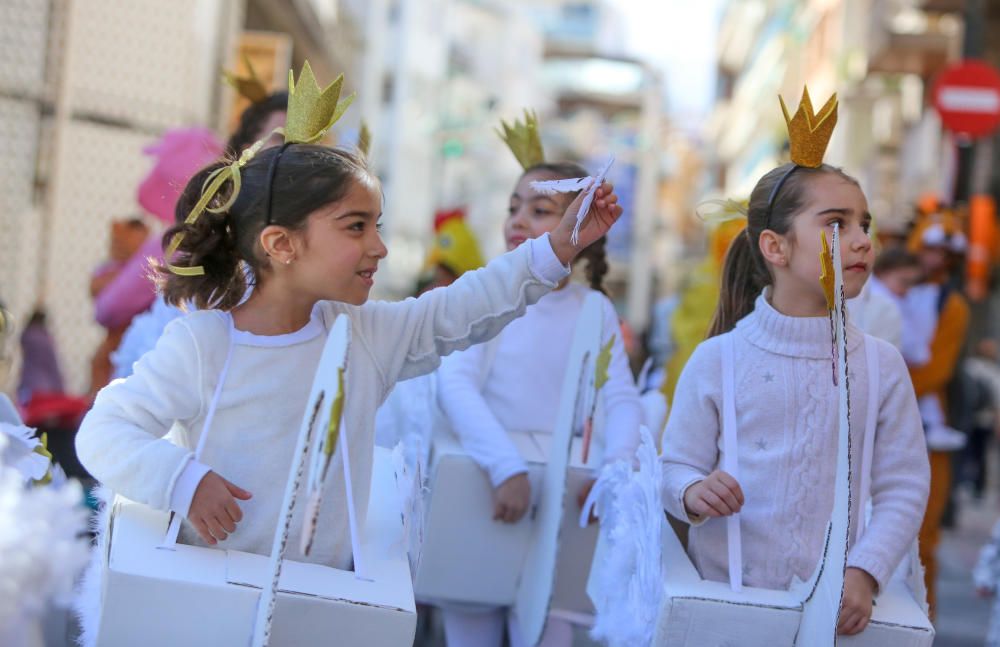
[{"x": 485, "y": 629}]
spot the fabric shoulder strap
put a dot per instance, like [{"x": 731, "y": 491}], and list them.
[{"x": 730, "y": 457}]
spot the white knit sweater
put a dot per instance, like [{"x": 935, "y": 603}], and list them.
[
  {"x": 264, "y": 397},
  {"x": 786, "y": 407}
]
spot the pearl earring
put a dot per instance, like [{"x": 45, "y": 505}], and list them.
[{"x": 288, "y": 261}]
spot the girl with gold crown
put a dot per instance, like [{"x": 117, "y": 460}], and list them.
[
  {"x": 773, "y": 322},
  {"x": 262, "y": 116},
  {"x": 305, "y": 219},
  {"x": 483, "y": 410}
]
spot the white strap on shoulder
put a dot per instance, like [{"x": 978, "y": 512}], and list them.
[
  {"x": 730, "y": 458},
  {"x": 170, "y": 540},
  {"x": 871, "y": 423}
]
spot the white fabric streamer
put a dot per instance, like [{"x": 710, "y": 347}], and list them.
[{"x": 628, "y": 582}]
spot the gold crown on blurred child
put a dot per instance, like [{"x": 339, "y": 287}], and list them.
[
  {"x": 250, "y": 85},
  {"x": 524, "y": 140}
]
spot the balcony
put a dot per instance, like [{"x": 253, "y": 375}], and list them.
[{"x": 906, "y": 39}]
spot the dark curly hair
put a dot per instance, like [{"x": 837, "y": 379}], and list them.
[{"x": 225, "y": 244}]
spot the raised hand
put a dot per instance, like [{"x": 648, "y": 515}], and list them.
[{"x": 604, "y": 212}]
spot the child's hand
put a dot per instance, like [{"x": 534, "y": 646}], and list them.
[
  {"x": 581, "y": 498},
  {"x": 719, "y": 495},
  {"x": 512, "y": 498},
  {"x": 604, "y": 211},
  {"x": 214, "y": 513},
  {"x": 856, "y": 609}
]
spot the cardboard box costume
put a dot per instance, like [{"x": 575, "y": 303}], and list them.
[
  {"x": 157, "y": 593},
  {"x": 542, "y": 561}
]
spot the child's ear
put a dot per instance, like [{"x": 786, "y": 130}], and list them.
[
  {"x": 774, "y": 248},
  {"x": 277, "y": 244}
]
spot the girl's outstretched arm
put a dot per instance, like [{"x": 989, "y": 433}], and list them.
[{"x": 408, "y": 338}]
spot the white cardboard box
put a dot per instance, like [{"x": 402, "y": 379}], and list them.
[
  {"x": 701, "y": 613},
  {"x": 203, "y": 596},
  {"x": 469, "y": 557}
]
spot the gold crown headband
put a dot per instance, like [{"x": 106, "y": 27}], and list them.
[
  {"x": 809, "y": 134},
  {"x": 524, "y": 140},
  {"x": 249, "y": 86},
  {"x": 310, "y": 115}
]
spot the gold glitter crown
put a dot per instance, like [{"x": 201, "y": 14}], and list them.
[
  {"x": 249, "y": 86},
  {"x": 523, "y": 139},
  {"x": 311, "y": 111},
  {"x": 809, "y": 132}
]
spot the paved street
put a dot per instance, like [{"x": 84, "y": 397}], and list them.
[{"x": 963, "y": 616}]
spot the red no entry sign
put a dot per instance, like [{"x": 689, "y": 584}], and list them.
[{"x": 967, "y": 96}]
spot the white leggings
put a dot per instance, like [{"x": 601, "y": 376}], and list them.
[{"x": 485, "y": 629}]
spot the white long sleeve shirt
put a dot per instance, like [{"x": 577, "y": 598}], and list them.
[
  {"x": 523, "y": 384},
  {"x": 786, "y": 410},
  {"x": 264, "y": 397}
]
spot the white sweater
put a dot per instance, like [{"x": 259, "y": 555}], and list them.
[
  {"x": 786, "y": 408},
  {"x": 523, "y": 385},
  {"x": 264, "y": 397}
]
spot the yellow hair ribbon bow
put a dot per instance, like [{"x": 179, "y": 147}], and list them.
[
  {"x": 211, "y": 187},
  {"x": 717, "y": 211}
]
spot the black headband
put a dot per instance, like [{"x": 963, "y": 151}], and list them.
[
  {"x": 272, "y": 170},
  {"x": 774, "y": 194}
]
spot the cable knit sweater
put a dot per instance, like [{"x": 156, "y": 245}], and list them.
[
  {"x": 252, "y": 437},
  {"x": 786, "y": 407}
]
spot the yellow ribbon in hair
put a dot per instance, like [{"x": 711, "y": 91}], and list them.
[
  {"x": 213, "y": 183},
  {"x": 718, "y": 211}
]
